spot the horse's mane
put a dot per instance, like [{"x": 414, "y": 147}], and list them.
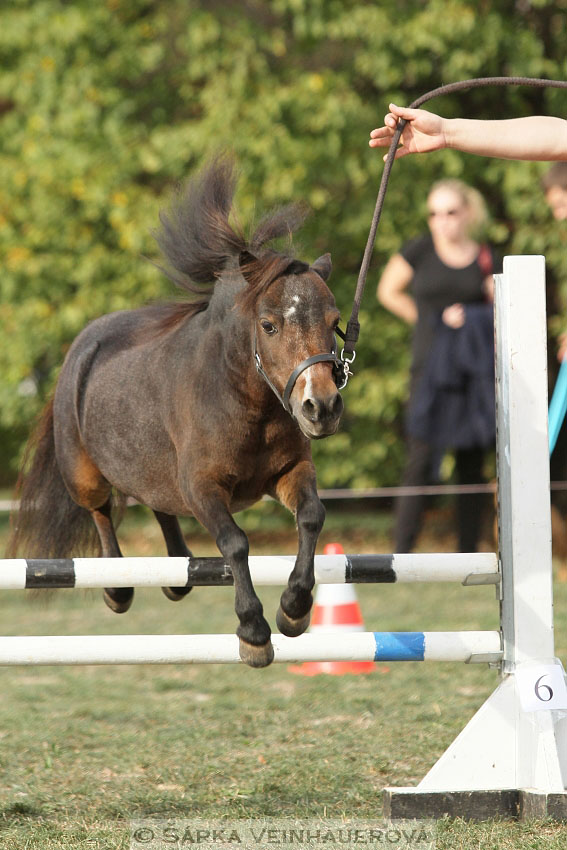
[{"x": 197, "y": 240}]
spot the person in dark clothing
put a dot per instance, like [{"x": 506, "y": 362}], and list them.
[
  {"x": 538, "y": 138},
  {"x": 441, "y": 283}
]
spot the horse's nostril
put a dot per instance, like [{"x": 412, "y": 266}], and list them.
[
  {"x": 311, "y": 409},
  {"x": 337, "y": 405}
]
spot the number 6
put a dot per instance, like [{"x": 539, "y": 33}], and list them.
[{"x": 539, "y": 688}]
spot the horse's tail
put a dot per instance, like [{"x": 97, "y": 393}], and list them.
[
  {"x": 196, "y": 236},
  {"x": 48, "y": 523}
]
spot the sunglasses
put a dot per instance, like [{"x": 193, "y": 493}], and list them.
[{"x": 434, "y": 213}]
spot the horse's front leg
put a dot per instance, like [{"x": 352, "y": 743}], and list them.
[
  {"x": 254, "y": 632},
  {"x": 297, "y": 490}
]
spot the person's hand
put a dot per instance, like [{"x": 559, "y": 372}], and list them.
[
  {"x": 562, "y": 340},
  {"x": 454, "y": 316},
  {"x": 423, "y": 133}
]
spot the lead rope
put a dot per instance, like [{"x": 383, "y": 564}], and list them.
[{"x": 353, "y": 326}]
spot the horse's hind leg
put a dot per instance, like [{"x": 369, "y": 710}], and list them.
[
  {"x": 176, "y": 546},
  {"x": 90, "y": 489},
  {"x": 118, "y": 599}
]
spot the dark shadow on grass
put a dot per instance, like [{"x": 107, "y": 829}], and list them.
[{"x": 20, "y": 810}]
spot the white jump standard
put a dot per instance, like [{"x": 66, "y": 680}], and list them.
[{"x": 507, "y": 761}]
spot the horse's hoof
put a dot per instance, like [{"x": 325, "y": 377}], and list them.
[
  {"x": 118, "y": 599},
  {"x": 289, "y": 627},
  {"x": 256, "y": 656},
  {"x": 176, "y": 593}
]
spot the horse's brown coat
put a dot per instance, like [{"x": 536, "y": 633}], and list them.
[{"x": 165, "y": 404}]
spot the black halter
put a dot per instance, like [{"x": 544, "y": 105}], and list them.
[{"x": 341, "y": 371}]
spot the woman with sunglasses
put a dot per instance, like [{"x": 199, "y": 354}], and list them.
[{"x": 436, "y": 283}]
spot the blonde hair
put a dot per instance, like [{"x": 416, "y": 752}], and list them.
[
  {"x": 556, "y": 177},
  {"x": 470, "y": 198}
]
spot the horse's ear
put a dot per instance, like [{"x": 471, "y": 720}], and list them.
[{"x": 323, "y": 266}]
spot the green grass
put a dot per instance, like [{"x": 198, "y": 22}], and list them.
[{"x": 84, "y": 750}]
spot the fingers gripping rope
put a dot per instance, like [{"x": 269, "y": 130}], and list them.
[{"x": 353, "y": 327}]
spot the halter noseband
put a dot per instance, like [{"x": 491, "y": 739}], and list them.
[{"x": 341, "y": 371}]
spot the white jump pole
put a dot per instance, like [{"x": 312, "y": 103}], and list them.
[
  {"x": 467, "y": 647},
  {"x": 505, "y": 749}
]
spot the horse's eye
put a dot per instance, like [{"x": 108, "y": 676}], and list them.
[{"x": 267, "y": 327}]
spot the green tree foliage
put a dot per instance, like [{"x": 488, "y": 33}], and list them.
[{"x": 105, "y": 106}]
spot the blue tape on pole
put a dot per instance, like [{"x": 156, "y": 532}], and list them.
[
  {"x": 558, "y": 405},
  {"x": 399, "y": 646}
]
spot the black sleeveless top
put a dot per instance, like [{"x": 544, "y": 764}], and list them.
[{"x": 435, "y": 286}]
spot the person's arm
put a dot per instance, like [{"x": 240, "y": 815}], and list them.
[
  {"x": 391, "y": 292},
  {"x": 537, "y": 137}
]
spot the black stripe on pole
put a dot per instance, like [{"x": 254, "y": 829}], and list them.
[
  {"x": 370, "y": 569},
  {"x": 54, "y": 573},
  {"x": 208, "y": 571}
]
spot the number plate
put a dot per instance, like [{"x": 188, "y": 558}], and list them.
[{"x": 541, "y": 686}]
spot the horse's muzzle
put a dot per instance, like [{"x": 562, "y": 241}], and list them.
[{"x": 319, "y": 417}]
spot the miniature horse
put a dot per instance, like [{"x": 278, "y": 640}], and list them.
[{"x": 197, "y": 408}]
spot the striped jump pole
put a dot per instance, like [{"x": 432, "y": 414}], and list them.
[
  {"x": 467, "y": 569},
  {"x": 468, "y": 647}
]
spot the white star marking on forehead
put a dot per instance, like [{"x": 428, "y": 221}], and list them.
[{"x": 292, "y": 310}]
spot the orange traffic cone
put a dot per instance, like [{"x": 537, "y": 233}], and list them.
[{"x": 336, "y": 610}]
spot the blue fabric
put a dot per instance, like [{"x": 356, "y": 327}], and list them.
[
  {"x": 453, "y": 403},
  {"x": 558, "y": 405}
]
